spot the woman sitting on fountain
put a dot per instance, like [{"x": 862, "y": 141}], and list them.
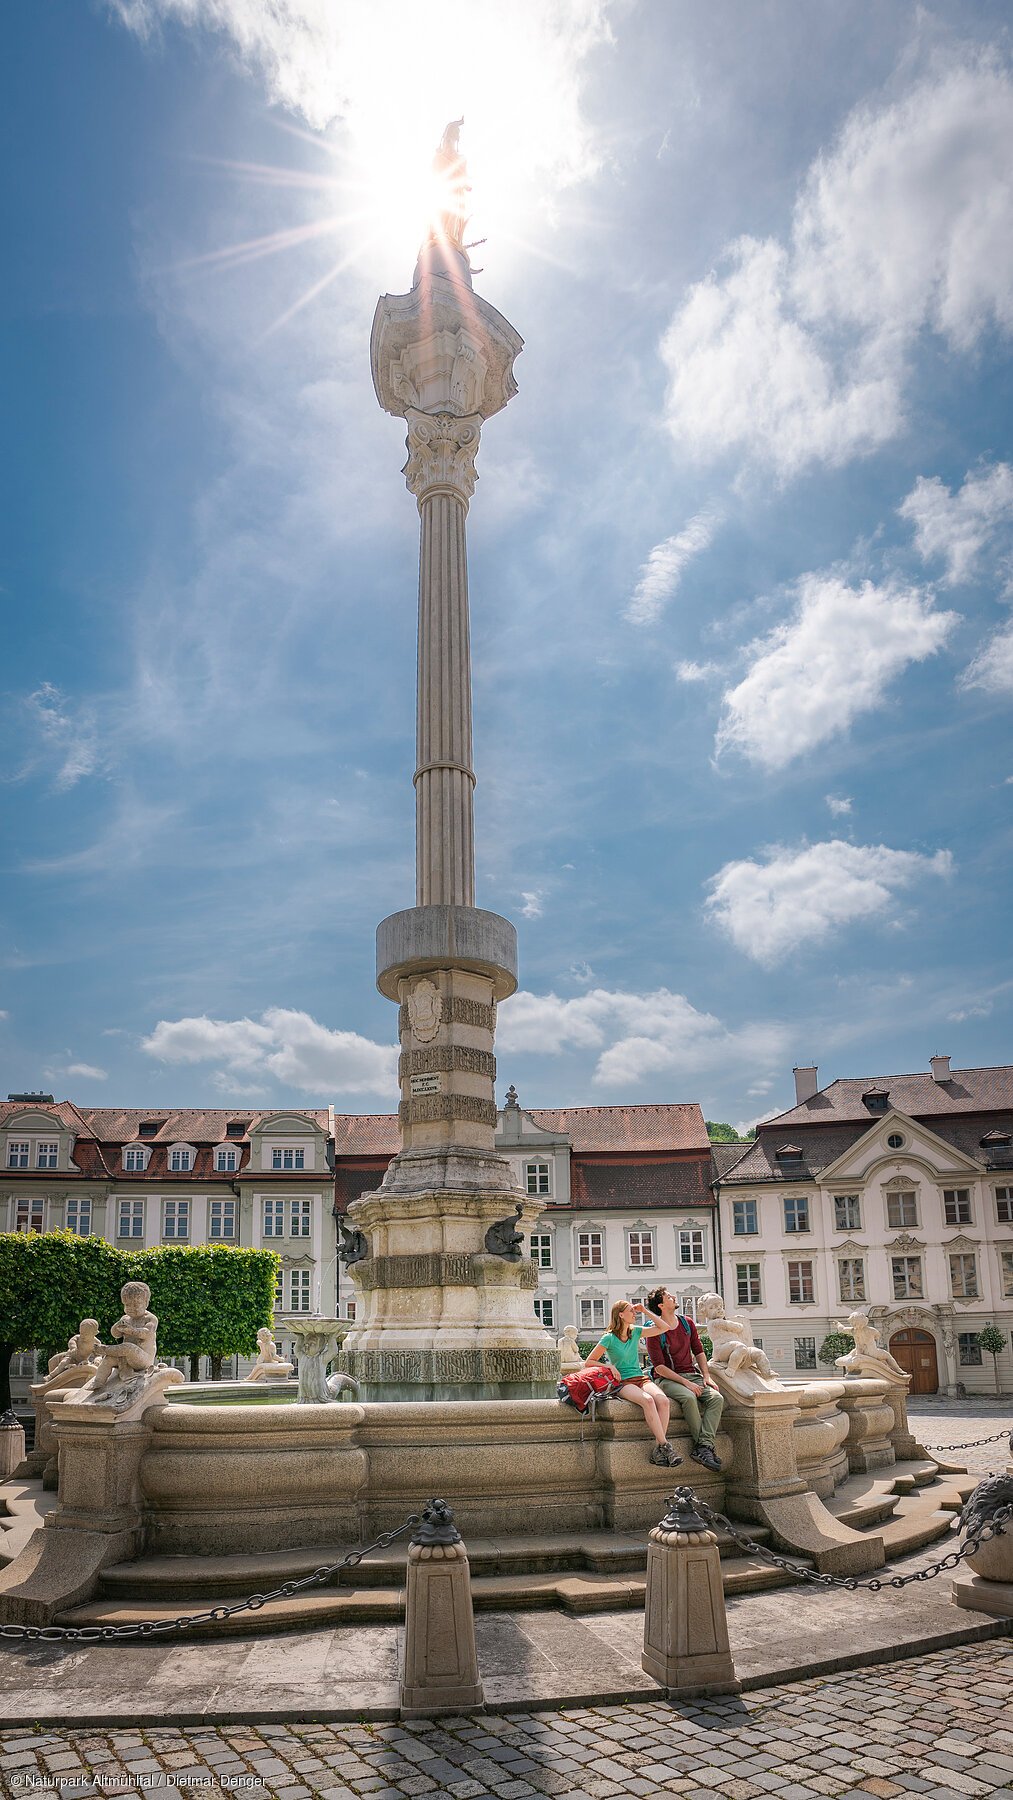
[{"x": 620, "y": 1347}]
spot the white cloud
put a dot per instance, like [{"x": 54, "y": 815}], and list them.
[
  {"x": 798, "y": 352},
  {"x": 840, "y": 805},
  {"x": 635, "y": 1035},
  {"x": 992, "y": 668},
  {"x": 694, "y": 671},
  {"x": 811, "y": 677},
  {"x": 662, "y": 572},
  {"x": 957, "y": 527},
  {"x": 797, "y": 897},
  {"x": 532, "y": 908},
  {"x": 82, "y": 1071},
  {"x": 66, "y": 738},
  {"x": 287, "y": 1045}
]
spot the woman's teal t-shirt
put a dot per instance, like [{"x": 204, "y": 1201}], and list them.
[{"x": 625, "y": 1357}]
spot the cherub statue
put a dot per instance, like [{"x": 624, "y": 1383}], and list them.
[
  {"x": 136, "y": 1331},
  {"x": 82, "y": 1351},
  {"x": 269, "y": 1366},
  {"x": 868, "y": 1356},
  {"x": 570, "y": 1357},
  {"x": 743, "y": 1366}
]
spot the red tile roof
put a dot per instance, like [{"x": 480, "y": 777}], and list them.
[
  {"x": 189, "y": 1125},
  {"x": 366, "y": 1134},
  {"x": 919, "y": 1095},
  {"x": 671, "y": 1127},
  {"x": 645, "y": 1185}
]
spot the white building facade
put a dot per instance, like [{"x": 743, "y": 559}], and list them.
[{"x": 892, "y": 1195}]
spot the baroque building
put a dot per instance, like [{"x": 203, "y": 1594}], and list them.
[{"x": 891, "y": 1194}]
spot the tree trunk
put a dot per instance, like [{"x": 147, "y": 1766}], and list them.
[
  {"x": 995, "y": 1365},
  {"x": 216, "y": 1367},
  {"x": 195, "y": 1365},
  {"x": 6, "y": 1352}
]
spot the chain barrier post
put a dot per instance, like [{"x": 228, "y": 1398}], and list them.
[
  {"x": 12, "y": 1444},
  {"x": 440, "y": 1669},
  {"x": 686, "y": 1647}
]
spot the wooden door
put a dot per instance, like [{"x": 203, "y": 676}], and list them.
[{"x": 916, "y": 1353}]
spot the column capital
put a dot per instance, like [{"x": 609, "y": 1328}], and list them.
[{"x": 441, "y": 454}]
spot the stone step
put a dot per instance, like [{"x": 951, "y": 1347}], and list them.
[
  {"x": 190, "y": 1577},
  {"x": 574, "y": 1592},
  {"x": 914, "y": 1525}
]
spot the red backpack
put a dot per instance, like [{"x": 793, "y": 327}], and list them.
[{"x": 585, "y": 1387}]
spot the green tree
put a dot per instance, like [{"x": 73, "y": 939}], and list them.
[
  {"x": 49, "y": 1282},
  {"x": 719, "y": 1133},
  {"x": 993, "y": 1340},
  {"x": 835, "y": 1344},
  {"x": 210, "y": 1299}
]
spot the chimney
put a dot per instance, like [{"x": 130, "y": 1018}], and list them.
[
  {"x": 940, "y": 1066},
  {"x": 806, "y": 1084}
]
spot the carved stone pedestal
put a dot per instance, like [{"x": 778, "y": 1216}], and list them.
[
  {"x": 440, "y": 1672},
  {"x": 686, "y": 1647}
]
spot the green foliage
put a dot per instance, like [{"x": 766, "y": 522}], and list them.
[
  {"x": 835, "y": 1344},
  {"x": 720, "y": 1133},
  {"x": 992, "y": 1339},
  {"x": 708, "y": 1347},
  {"x": 210, "y": 1300}
]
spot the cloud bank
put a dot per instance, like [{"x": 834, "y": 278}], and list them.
[
  {"x": 957, "y": 527},
  {"x": 289, "y": 1046}
]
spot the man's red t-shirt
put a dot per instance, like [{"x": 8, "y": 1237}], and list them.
[{"x": 675, "y": 1348}]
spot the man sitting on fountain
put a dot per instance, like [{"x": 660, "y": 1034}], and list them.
[
  {"x": 679, "y": 1366},
  {"x": 620, "y": 1347}
]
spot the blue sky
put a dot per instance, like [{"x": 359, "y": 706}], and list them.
[{"x": 740, "y": 550}]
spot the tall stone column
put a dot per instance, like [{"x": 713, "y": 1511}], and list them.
[{"x": 443, "y": 1311}]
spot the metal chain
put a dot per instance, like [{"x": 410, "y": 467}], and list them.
[
  {"x": 972, "y": 1443},
  {"x": 147, "y": 1628},
  {"x": 992, "y": 1530}
]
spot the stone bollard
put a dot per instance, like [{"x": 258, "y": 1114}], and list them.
[
  {"x": 12, "y": 1445},
  {"x": 685, "y": 1629},
  {"x": 440, "y": 1670}
]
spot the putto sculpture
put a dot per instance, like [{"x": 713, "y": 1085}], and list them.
[
  {"x": 741, "y": 1366},
  {"x": 128, "y": 1376},
  {"x": 269, "y": 1366},
  {"x": 81, "y": 1355},
  {"x": 868, "y": 1356}
]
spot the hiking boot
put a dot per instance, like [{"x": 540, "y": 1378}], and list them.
[
  {"x": 702, "y": 1453},
  {"x": 659, "y": 1455},
  {"x": 674, "y": 1459}
]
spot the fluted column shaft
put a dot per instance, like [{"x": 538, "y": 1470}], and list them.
[{"x": 441, "y": 474}]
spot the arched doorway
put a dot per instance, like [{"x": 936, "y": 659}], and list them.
[{"x": 916, "y": 1353}]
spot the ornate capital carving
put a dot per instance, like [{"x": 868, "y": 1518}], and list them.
[{"x": 441, "y": 454}]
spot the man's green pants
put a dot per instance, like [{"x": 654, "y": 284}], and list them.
[{"x": 702, "y": 1415}]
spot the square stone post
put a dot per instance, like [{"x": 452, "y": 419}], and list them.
[
  {"x": 686, "y": 1647},
  {"x": 440, "y": 1672}
]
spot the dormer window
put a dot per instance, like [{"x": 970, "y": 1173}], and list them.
[
  {"x": 180, "y": 1161},
  {"x": 788, "y": 1153},
  {"x": 283, "y": 1158},
  {"x": 135, "y": 1158},
  {"x": 237, "y": 1128},
  {"x": 18, "y": 1151},
  {"x": 876, "y": 1100},
  {"x": 47, "y": 1155},
  {"x": 150, "y": 1128},
  {"x": 226, "y": 1160},
  {"x": 997, "y": 1140}
]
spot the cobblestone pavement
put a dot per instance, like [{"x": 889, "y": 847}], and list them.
[{"x": 941, "y": 1726}]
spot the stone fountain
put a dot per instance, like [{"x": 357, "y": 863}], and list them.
[{"x": 444, "y": 1294}]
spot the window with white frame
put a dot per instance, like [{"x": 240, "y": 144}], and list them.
[
  {"x": 1006, "y": 1262},
  {"x": 963, "y": 1275},
  {"x": 540, "y": 1246},
  {"x": 135, "y": 1157},
  {"x": 274, "y": 1218},
  {"x": 545, "y": 1310},
  {"x": 175, "y": 1219},
  {"x": 18, "y": 1152},
  {"x": 801, "y": 1288},
  {"x": 847, "y": 1212},
  {"x": 300, "y": 1218},
  {"x": 537, "y": 1179},
  {"x": 1004, "y": 1205},
  {"x": 222, "y": 1219},
  {"x": 796, "y": 1212},
  {"x": 29, "y": 1213},
  {"x": 350, "y": 1311},
  {"x": 284, "y": 1157},
  {"x": 747, "y": 1283},
  {"x": 47, "y": 1155},
  {"x": 851, "y": 1278},
  {"x": 131, "y": 1219},
  {"x": 79, "y": 1215},
  {"x": 226, "y": 1161},
  {"x": 906, "y": 1272},
  {"x": 299, "y": 1290},
  {"x": 279, "y": 1292},
  {"x": 957, "y": 1206},
  {"x": 805, "y": 1353},
  {"x": 691, "y": 1248},
  {"x": 901, "y": 1209},
  {"x": 640, "y": 1249},
  {"x": 180, "y": 1161},
  {"x": 591, "y": 1249},
  {"x": 591, "y": 1313},
  {"x": 744, "y": 1221},
  {"x": 968, "y": 1350}
]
